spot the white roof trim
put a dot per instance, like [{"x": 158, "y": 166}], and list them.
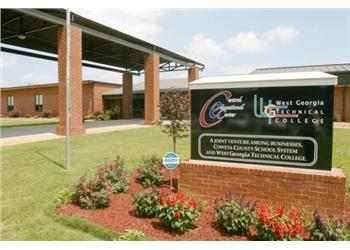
[{"x": 313, "y": 78}]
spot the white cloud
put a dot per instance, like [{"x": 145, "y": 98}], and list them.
[
  {"x": 281, "y": 33},
  {"x": 247, "y": 42},
  {"x": 205, "y": 49},
  {"x": 8, "y": 61},
  {"x": 251, "y": 42},
  {"x": 219, "y": 55},
  {"x": 143, "y": 24},
  {"x": 36, "y": 78},
  {"x": 237, "y": 69},
  {"x": 101, "y": 75}
]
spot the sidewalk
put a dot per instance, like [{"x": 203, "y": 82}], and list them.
[
  {"x": 15, "y": 140},
  {"x": 341, "y": 125}
]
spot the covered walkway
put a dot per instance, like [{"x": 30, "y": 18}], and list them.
[{"x": 43, "y": 31}]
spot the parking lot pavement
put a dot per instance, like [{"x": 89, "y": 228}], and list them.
[{"x": 27, "y": 134}]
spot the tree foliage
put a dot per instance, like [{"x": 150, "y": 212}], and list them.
[{"x": 174, "y": 105}]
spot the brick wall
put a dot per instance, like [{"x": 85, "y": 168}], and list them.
[
  {"x": 347, "y": 104},
  {"x": 98, "y": 90},
  {"x": 88, "y": 99},
  {"x": 24, "y": 100},
  {"x": 278, "y": 186},
  {"x": 151, "y": 89},
  {"x": 338, "y": 103}
]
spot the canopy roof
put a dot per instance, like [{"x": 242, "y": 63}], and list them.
[{"x": 103, "y": 46}]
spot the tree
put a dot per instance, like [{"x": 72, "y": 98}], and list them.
[{"x": 174, "y": 105}]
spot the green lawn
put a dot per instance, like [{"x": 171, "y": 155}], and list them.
[
  {"x": 32, "y": 174},
  {"x": 15, "y": 122}
]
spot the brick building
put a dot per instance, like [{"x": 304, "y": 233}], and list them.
[
  {"x": 341, "y": 91},
  {"x": 35, "y": 99},
  {"x": 91, "y": 44},
  {"x": 113, "y": 99}
]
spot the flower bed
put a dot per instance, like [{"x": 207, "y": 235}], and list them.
[{"x": 120, "y": 216}]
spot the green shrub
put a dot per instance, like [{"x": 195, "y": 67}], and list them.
[
  {"x": 234, "y": 215},
  {"x": 176, "y": 211},
  {"x": 63, "y": 197},
  {"x": 145, "y": 203},
  {"x": 132, "y": 235},
  {"x": 90, "y": 117},
  {"x": 14, "y": 114},
  {"x": 93, "y": 193},
  {"x": 101, "y": 117},
  {"x": 115, "y": 174},
  {"x": 149, "y": 173},
  {"x": 97, "y": 113},
  {"x": 47, "y": 114},
  {"x": 330, "y": 229}
]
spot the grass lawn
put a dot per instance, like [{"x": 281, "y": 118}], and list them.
[
  {"x": 32, "y": 175},
  {"x": 15, "y": 122}
]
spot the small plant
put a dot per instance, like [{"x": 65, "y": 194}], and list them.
[
  {"x": 149, "y": 173},
  {"x": 279, "y": 224},
  {"x": 132, "y": 235},
  {"x": 90, "y": 117},
  {"x": 330, "y": 230},
  {"x": 175, "y": 106},
  {"x": 176, "y": 211},
  {"x": 115, "y": 174},
  {"x": 97, "y": 113},
  {"x": 235, "y": 215},
  {"x": 14, "y": 114},
  {"x": 46, "y": 114},
  {"x": 100, "y": 117},
  {"x": 27, "y": 115},
  {"x": 145, "y": 203},
  {"x": 65, "y": 196},
  {"x": 93, "y": 193}
]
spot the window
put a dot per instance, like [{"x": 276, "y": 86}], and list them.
[
  {"x": 38, "y": 103},
  {"x": 10, "y": 103}
]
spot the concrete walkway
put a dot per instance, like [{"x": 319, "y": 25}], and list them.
[
  {"x": 27, "y": 134},
  {"x": 341, "y": 125}
]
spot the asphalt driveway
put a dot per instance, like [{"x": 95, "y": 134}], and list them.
[{"x": 51, "y": 128}]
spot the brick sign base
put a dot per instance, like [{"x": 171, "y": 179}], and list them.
[{"x": 274, "y": 185}]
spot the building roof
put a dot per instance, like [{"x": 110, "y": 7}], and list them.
[
  {"x": 341, "y": 70},
  {"x": 265, "y": 80},
  {"x": 45, "y": 85},
  {"x": 111, "y": 49},
  {"x": 164, "y": 84},
  {"x": 327, "y": 68}
]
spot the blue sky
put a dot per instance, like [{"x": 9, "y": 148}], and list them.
[{"x": 227, "y": 41}]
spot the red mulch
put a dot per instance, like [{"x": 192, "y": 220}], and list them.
[{"x": 119, "y": 217}]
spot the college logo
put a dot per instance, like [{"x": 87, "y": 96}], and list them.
[
  {"x": 216, "y": 110},
  {"x": 270, "y": 110}
]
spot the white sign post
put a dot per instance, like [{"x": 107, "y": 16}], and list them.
[{"x": 170, "y": 161}]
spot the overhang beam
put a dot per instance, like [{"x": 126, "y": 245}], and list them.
[{"x": 54, "y": 58}]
